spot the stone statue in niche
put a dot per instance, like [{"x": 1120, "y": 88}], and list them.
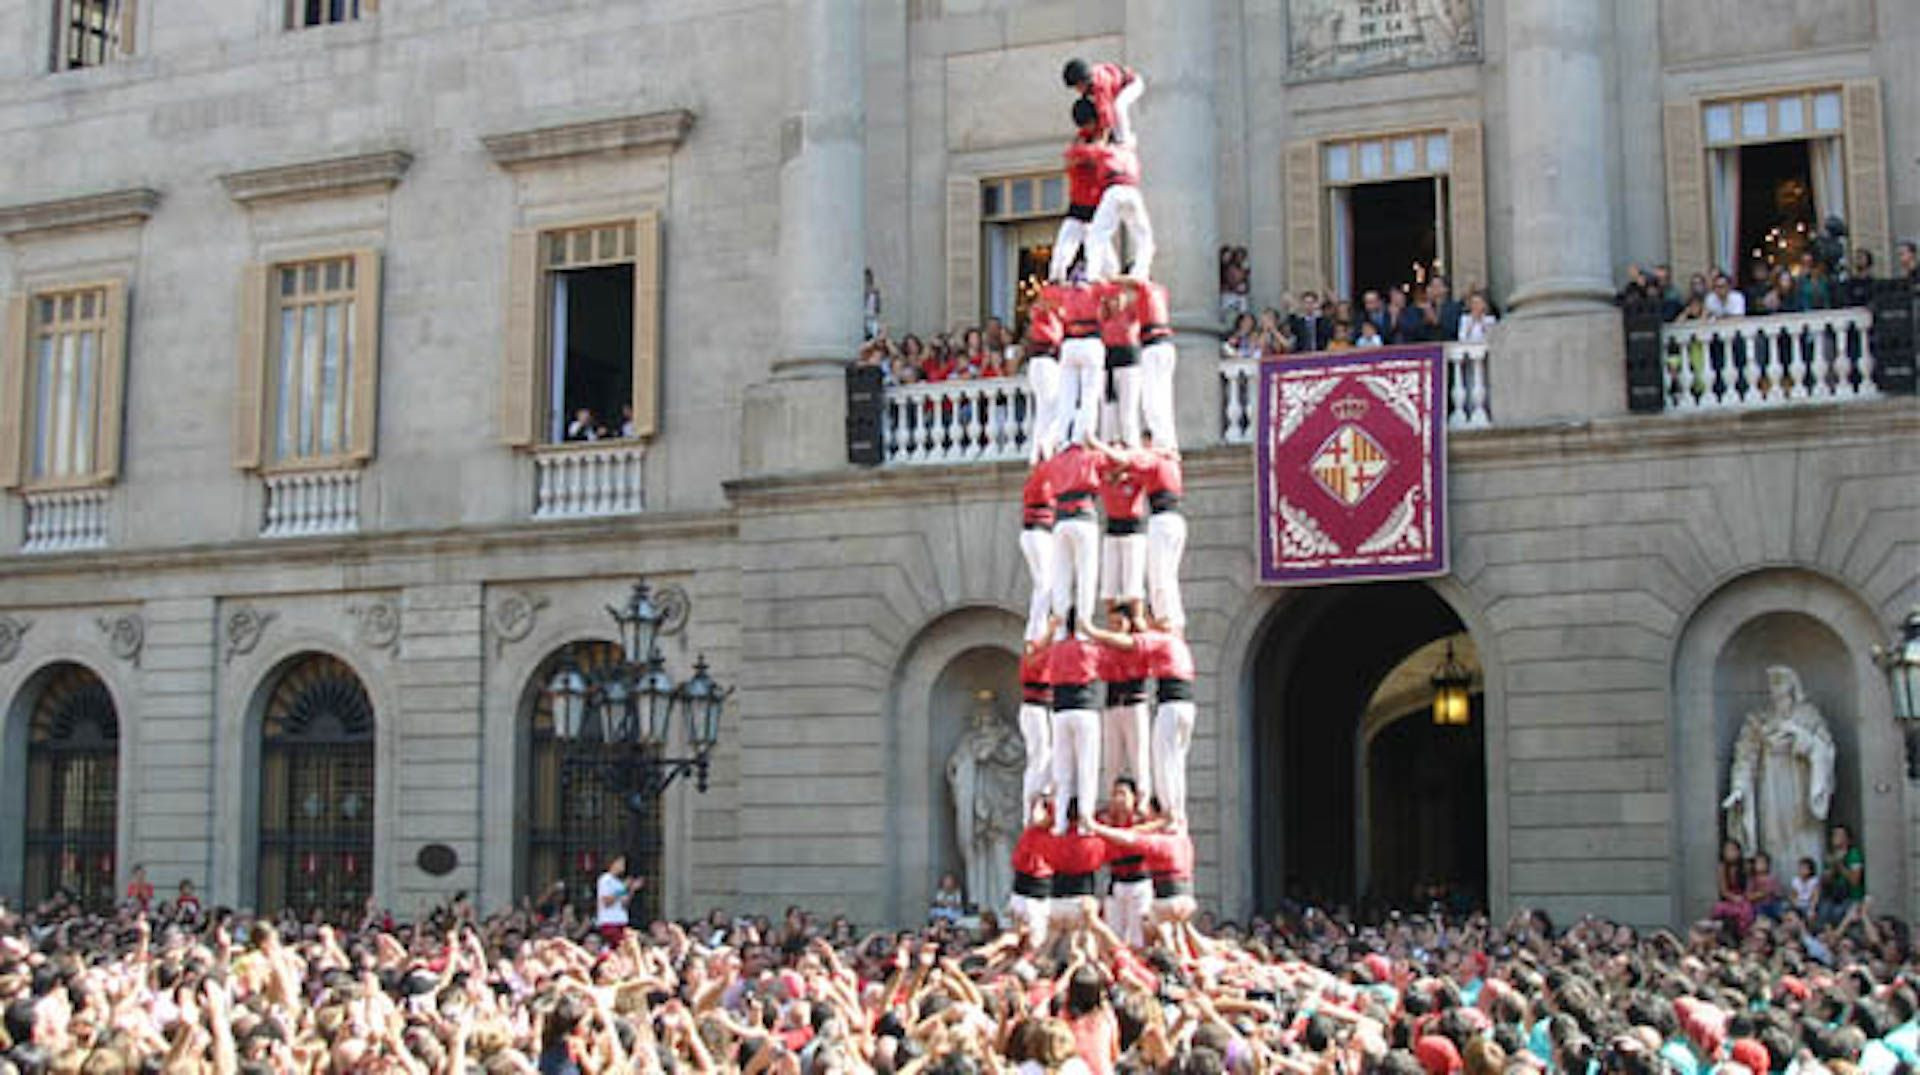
[
  {"x": 984, "y": 773},
  {"x": 1782, "y": 776}
]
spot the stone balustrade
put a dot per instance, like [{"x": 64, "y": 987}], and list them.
[
  {"x": 306, "y": 503},
  {"x": 1467, "y": 394},
  {"x": 958, "y": 421},
  {"x": 66, "y": 520},
  {"x": 584, "y": 481},
  {"x": 1769, "y": 361}
]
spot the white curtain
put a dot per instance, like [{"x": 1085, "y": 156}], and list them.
[
  {"x": 999, "y": 264},
  {"x": 1723, "y": 183},
  {"x": 1829, "y": 178},
  {"x": 1342, "y": 282}
]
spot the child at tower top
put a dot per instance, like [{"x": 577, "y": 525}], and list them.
[{"x": 1112, "y": 89}]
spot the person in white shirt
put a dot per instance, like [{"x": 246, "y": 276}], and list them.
[
  {"x": 1475, "y": 325},
  {"x": 611, "y": 894},
  {"x": 1723, "y": 300}
]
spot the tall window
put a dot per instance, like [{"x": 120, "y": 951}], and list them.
[
  {"x": 1020, "y": 217},
  {"x": 61, "y": 378},
  {"x": 317, "y": 791},
  {"x": 304, "y": 13},
  {"x": 1776, "y": 169},
  {"x": 309, "y": 362},
  {"x": 73, "y": 758},
  {"x": 576, "y": 822},
  {"x": 88, "y": 33},
  {"x": 583, "y": 324}
]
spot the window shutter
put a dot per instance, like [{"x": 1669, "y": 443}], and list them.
[
  {"x": 521, "y": 384},
  {"x": 1687, "y": 244},
  {"x": 646, "y": 324},
  {"x": 1305, "y": 242},
  {"x": 364, "y": 421},
  {"x": 1866, "y": 161},
  {"x": 13, "y": 390},
  {"x": 249, "y": 397},
  {"x": 125, "y": 24},
  {"x": 963, "y": 250},
  {"x": 110, "y": 422},
  {"x": 1467, "y": 208}
]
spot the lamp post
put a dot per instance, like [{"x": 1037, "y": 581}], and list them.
[
  {"x": 1452, "y": 698},
  {"x": 1901, "y": 663},
  {"x": 633, "y": 699}
]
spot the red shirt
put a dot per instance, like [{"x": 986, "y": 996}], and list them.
[
  {"x": 937, "y": 369},
  {"x": 1074, "y": 661},
  {"x": 1151, "y": 306},
  {"x": 1123, "y": 493},
  {"x": 1076, "y": 470},
  {"x": 1076, "y": 853},
  {"x": 1161, "y": 474},
  {"x": 1044, "y": 326},
  {"x": 1080, "y": 309},
  {"x": 1034, "y": 688},
  {"x": 1086, "y": 172},
  {"x": 1030, "y": 852},
  {"x": 1122, "y": 665},
  {"x": 1166, "y": 654},
  {"x": 1106, "y": 82},
  {"x": 1119, "y": 327},
  {"x": 1036, "y": 498},
  {"x": 1168, "y": 856}
]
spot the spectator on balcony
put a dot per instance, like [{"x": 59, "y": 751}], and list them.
[
  {"x": 1670, "y": 301},
  {"x": 1341, "y": 310},
  {"x": 627, "y": 427},
  {"x": 1724, "y": 301},
  {"x": 1782, "y": 295},
  {"x": 940, "y": 363},
  {"x": 973, "y": 355},
  {"x": 1244, "y": 340},
  {"x": 1275, "y": 339},
  {"x": 1477, "y": 321},
  {"x": 1816, "y": 291},
  {"x": 1001, "y": 342},
  {"x": 584, "y": 426},
  {"x": 1373, "y": 309},
  {"x": 1235, "y": 278},
  {"x": 1440, "y": 311},
  {"x": 872, "y": 305},
  {"x": 1639, "y": 288},
  {"x": 1857, "y": 290},
  {"x": 1369, "y": 335},
  {"x": 1759, "y": 281},
  {"x": 1342, "y": 336},
  {"x": 1907, "y": 262},
  {"x": 878, "y": 350},
  {"x": 1311, "y": 329},
  {"x": 1404, "y": 321}
]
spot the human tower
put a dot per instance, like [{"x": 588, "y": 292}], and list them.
[{"x": 1105, "y": 785}]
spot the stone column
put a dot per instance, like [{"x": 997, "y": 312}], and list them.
[
  {"x": 794, "y": 422},
  {"x": 1561, "y": 353},
  {"x": 1171, "y": 44}
]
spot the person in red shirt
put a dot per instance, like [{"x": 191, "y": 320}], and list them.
[
  {"x": 1083, "y": 371},
  {"x": 1036, "y": 722},
  {"x": 1120, "y": 336},
  {"x": 1045, "y": 330},
  {"x": 1073, "y": 477},
  {"x": 1168, "y": 856},
  {"x": 1125, "y": 723},
  {"x": 1170, "y": 663},
  {"x": 1157, "y": 360},
  {"x": 1073, "y": 664},
  {"x": 1076, "y": 857},
  {"x": 1086, "y": 182},
  {"x": 1123, "y": 551},
  {"x": 1129, "y": 886},
  {"x": 1120, "y": 205},
  {"x": 1033, "y": 874},
  {"x": 1111, "y": 88},
  {"x": 1036, "y": 544},
  {"x": 1164, "y": 483}
]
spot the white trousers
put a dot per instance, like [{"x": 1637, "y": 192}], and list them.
[
  {"x": 1124, "y": 747},
  {"x": 1043, "y": 379},
  {"x": 1076, "y": 762},
  {"x": 1123, "y": 567},
  {"x": 1157, "y": 361},
  {"x": 1120, "y": 419},
  {"x": 1036, "y": 728},
  {"x": 1172, "y": 736},
  {"x": 1032, "y": 912},
  {"x": 1073, "y": 235},
  {"x": 1038, "y": 547},
  {"x": 1076, "y": 567},
  {"x": 1120, "y": 205},
  {"x": 1127, "y": 907},
  {"x": 1083, "y": 376},
  {"x": 1166, "y": 543}
]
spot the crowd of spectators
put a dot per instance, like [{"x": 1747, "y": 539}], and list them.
[
  {"x": 174, "y": 988},
  {"x": 976, "y": 353},
  {"x": 1425, "y": 313},
  {"x": 1811, "y": 282}
]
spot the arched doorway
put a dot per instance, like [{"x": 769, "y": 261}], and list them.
[
  {"x": 72, "y": 789},
  {"x": 1359, "y": 798},
  {"x": 316, "y": 790},
  {"x": 571, "y": 821}
]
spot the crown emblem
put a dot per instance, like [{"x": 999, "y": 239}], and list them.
[{"x": 1349, "y": 409}]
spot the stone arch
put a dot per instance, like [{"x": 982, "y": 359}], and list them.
[
  {"x": 15, "y": 738},
  {"x": 923, "y": 725},
  {"x": 1822, "y": 628}
]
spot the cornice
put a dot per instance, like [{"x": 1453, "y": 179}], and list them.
[
  {"x": 365, "y": 173},
  {"x": 621, "y": 134},
  {"x": 113, "y": 208}
]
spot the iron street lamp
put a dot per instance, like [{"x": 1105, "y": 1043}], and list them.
[
  {"x": 634, "y": 699},
  {"x": 1901, "y": 663},
  {"x": 1452, "y": 700}
]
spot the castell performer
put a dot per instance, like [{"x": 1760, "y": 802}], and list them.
[
  {"x": 1087, "y": 168},
  {"x": 1033, "y": 874},
  {"x": 1082, "y": 365},
  {"x": 1157, "y": 360},
  {"x": 1120, "y": 335},
  {"x": 1123, "y": 550},
  {"x": 1129, "y": 886},
  {"x": 1036, "y": 721},
  {"x": 1042, "y": 366},
  {"x": 1170, "y": 663},
  {"x": 1126, "y": 722},
  {"x": 1111, "y": 89},
  {"x": 1166, "y": 531},
  {"x": 1120, "y": 204},
  {"x": 1073, "y": 664},
  {"x": 1073, "y": 477},
  {"x": 1076, "y": 857},
  {"x": 1037, "y": 545}
]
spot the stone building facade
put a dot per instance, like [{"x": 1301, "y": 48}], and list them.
[{"x": 300, "y": 264}]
